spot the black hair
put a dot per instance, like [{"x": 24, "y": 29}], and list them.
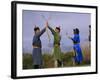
[
  {"x": 58, "y": 28},
  {"x": 76, "y": 31},
  {"x": 36, "y": 28}
]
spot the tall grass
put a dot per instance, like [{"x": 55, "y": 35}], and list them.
[{"x": 48, "y": 60}]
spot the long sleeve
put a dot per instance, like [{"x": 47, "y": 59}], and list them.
[
  {"x": 41, "y": 32},
  {"x": 53, "y": 32},
  {"x": 76, "y": 39}
]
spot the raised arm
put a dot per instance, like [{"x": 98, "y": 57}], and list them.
[
  {"x": 41, "y": 32},
  {"x": 47, "y": 26},
  {"x": 53, "y": 32}
]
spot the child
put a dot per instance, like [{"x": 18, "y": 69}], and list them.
[
  {"x": 37, "y": 52},
  {"x": 57, "y": 50},
  {"x": 77, "y": 49}
]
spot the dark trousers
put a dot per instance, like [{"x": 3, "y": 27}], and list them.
[{"x": 59, "y": 63}]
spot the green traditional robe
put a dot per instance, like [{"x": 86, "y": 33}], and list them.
[{"x": 56, "y": 50}]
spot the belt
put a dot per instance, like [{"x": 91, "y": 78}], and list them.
[
  {"x": 36, "y": 47},
  {"x": 56, "y": 44},
  {"x": 76, "y": 43}
]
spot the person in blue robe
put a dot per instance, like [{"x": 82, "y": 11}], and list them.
[
  {"x": 37, "y": 52},
  {"x": 78, "y": 57}
]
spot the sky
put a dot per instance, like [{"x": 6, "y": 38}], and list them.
[{"x": 67, "y": 22}]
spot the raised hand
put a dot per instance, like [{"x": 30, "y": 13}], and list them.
[
  {"x": 68, "y": 35},
  {"x": 47, "y": 24}
]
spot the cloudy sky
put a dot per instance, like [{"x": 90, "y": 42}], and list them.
[{"x": 67, "y": 20}]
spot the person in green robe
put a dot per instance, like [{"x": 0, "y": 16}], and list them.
[{"x": 57, "y": 51}]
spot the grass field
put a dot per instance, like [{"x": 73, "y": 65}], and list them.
[{"x": 48, "y": 61}]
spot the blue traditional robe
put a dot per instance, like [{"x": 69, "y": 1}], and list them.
[
  {"x": 37, "y": 52},
  {"x": 78, "y": 52}
]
